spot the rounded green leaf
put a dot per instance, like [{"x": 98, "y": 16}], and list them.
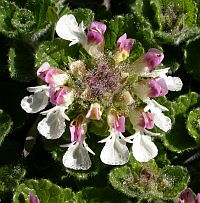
[
  {"x": 46, "y": 191},
  {"x": 178, "y": 139},
  {"x": 193, "y": 124},
  {"x": 149, "y": 182}
]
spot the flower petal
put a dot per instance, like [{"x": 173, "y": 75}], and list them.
[
  {"x": 162, "y": 121},
  {"x": 143, "y": 148},
  {"x": 77, "y": 157},
  {"x": 115, "y": 151},
  {"x": 53, "y": 126},
  {"x": 67, "y": 28},
  {"x": 173, "y": 83},
  {"x": 35, "y": 102}
]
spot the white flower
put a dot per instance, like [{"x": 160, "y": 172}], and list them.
[
  {"x": 53, "y": 125},
  {"x": 67, "y": 28},
  {"x": 37, "y": 101},
  {"x": 160, "y": 120},
  {"x": 173, "y": 83},
  {"x": 143, "y": 148},
  {"x": 115, "y": 151},
  {"x": 77, "y": 157}
]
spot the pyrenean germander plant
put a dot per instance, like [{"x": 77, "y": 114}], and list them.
[{"x": 111, "y": 87}]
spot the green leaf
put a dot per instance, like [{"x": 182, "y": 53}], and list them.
[
  {"x": 5, "y": 125},
  {"x": 178, "y": 139},
  {"x": 149, "y": 182},
  {"x": 193, "y": 124},
  {"x": 85, "y": 15},
  {"x": 56, "y": 53},
  {"x": 191, "y": 58},
  {"x": 100, "y": 195},
  {"x": 10, "y": 177},
  {"x": 21, "y": 62},
  {"x": 46, "y": 191}
]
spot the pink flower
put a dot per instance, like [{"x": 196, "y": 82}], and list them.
[
  {"x": 153, "y": 58},
  {"x": 33, "y": 198},
  {"x": 125, "y": 44},
  {"x": 157, "y": 87},
  {"x": 96, "y": 32},
  {"x": 187, "y": 197},
  {"x": 52, "y": 75},
  {"x": 76, "y": 133},
  {"x": 61, "y": 96},
  {"x": 42, "y": 71}
]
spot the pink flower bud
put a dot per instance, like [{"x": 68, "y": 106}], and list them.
[
  {"x": 76, "y": 133},
  {"x": 94, "y": 112},
  {"x": 42, "y": 71},
  {"x": 116, "y": 122},
  {"x": 153, "y": 58},
  {"x": 187, "y": 197},
  {"x": 146, "y": 120},
  {"x": 158, "y": 87},
  {"x": 33, "y": 198},
  {"x": 125, "y": 44},
  {"x": 141, "y": 119},
  {"x": 61, "y": 95},
  {"x": 96, "y": 32}
]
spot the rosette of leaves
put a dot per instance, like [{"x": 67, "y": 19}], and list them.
[
  {"x": 46, "y": 191},
  {"x": 172, "y": 21},
  {"x": 28, "y": 23},
  {"x": 147, "y": 181},
  {"x": 178, "y": 139}
]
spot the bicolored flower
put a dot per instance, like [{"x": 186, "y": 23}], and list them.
[
  {"x": 94, "y": 112},
  {"x": 148, "y": 61},
  {"x": 151, "y": 88},
  {"x": 33, "y": 198},
  {"x": 124, "y": 45},
  {"x": 160, "y": 120},
  {"x": 172, "y": 83},
  {"x": 67, "y": 28},
  {"x": 143, "y": 148},
  {"x": 63, "y": 96},
  {"x": 37, "y": 101},
  {"x": 52, "y": 75},
  {"x": 115, "y": 151},
  {"x": 53, "y": 125},
  {"x": 76, "y": 157}
]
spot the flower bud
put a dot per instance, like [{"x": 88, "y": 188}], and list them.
[
  {"x": 94, "y": 112},
  {"x": 61, "y": 96},
  {"x": 77, "y": 68}
]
